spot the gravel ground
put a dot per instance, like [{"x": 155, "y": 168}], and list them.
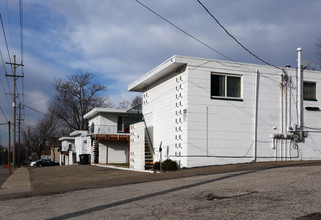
[
  {"x": 244, "y": 191},
  {"x": 61, "y": 179}
]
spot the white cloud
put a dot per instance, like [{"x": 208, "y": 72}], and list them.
[{"x": 37, "y": 100}]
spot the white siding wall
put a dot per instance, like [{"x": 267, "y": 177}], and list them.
[
  {"x": 80, "y": 146},
  {"x": 90, "y": 149},
  {"x": 163, "y": 107},
  {"x": 311, "y": 149},
  {"x": 70, "y": 158},
  {"x": 102, "y": 152},
  {"x": 65, "y": 145},
  {"x": 226, "y": 128},
  {"x": 218, "y": 127},
  {"x": 137, "y": 146}
]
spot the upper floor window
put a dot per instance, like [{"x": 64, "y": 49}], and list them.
[
  {"x": 225, "y": 86},
  {"x": 309, "y": 91},
  {"x": 120, "y": 124}
]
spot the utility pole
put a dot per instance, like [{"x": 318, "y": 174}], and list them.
[
  {"x": 19, "y": 125},
  {"x": 9, "y": 143},
  {"x": 15, "y": 77}
]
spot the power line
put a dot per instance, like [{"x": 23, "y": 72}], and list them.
[
  {"x": 3, "y": 113},
  {"x": 5, "y": 71},
  {"x": 5, "y": 38},
  {"x": 21, "y": 47},
  {"x": 235, "y": 38},
  {"x": 34, "y": 110},
  {"x": 185, "y": 32},
  {"x": 190, "y": 35},
  {"x": 21, "y": 29},
  {"x": 9, "y": 23},
  {"x": 5, "y": 94},
  {"x": 203, "y": 43}
]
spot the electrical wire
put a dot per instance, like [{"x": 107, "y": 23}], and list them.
[
  {"x": 5, "y": 94},
  {"x": 5, "y": 38},
  {"x": 21, "y": 32},
  {"x": 5, "y": 71},
  {"x": 21, "y": 50},
  {"x": 34, "y": 109},
  {"x": 318, "y": 129},
  {"x": 9, "y": 23},
  {"x": 3, "y": 113},
  {"x": 235, "y": 38},
  {"x": 185, "y": 32},
  {"x": 201, "y": 42}
]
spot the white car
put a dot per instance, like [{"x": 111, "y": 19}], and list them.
[{"x": 33, "y": 163}]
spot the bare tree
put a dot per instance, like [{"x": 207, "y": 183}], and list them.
[
  {"x": 37, "y": 139},
  {"x": 123, "y": 105},
  {"x": 75, "y": 97},
  {"x": 136, "y": 101}
]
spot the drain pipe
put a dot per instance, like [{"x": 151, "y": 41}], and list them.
[
  {"x": 257, "y": 80},
  {"x": 285, "y": 79},
  {"x": 282, "y": 112},
  {"x": 282, "y": 104},
  {"x": 300, "y": 90},
  {"x": 290, "y": 108},
  {"x": 285, "y": 102}
]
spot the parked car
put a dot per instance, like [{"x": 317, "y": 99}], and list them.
[
  {"x": 33, "y": 163},
  {"x": 45, "y": 163}
]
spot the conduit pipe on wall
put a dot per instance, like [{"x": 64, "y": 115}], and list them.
[
  {"x": 206, "y": 130},
  {"x": 285, "y": 78},
  {"x": 300, "y": 90},
  {"x": 281, "y": 103},
  {"x": 257, "y": 80},
  {"x": 285, "y": 132}
]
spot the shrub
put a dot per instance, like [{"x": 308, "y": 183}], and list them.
[
  {"x": 167, "y": 165},
  {"x": 156, "y": 166}
]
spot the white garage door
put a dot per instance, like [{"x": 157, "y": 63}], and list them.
[{"x": 117, "y": 152}]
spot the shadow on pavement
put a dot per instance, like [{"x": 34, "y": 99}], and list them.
[{"x": 147, "y": 196}]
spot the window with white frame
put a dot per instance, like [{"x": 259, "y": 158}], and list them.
[
  {"x": 225, "y": 86},
  {"x": 310, "y": 91}
]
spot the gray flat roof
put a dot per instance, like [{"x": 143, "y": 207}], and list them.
[
  {"x": 157, "y": 73},
  {"x": 96, "y": 111},
  {"x": 66, "y": 138}
]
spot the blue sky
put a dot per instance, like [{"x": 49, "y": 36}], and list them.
[{"x": 119, "y": 41}]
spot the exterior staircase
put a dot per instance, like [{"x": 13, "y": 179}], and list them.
[{"x": 148, "y": 157}]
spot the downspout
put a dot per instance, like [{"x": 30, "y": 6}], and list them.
[
  {"x": 300, "y": 90},
  {"x": 282, "y": 115},
  {"x": 281, "y": 99},
  {"x": 285, "y": 107},
  {"x": 207, "y": 130},
  {"x": 285, "y": 80},
  {"x": 257, "y": 80},
  {"x": 290, "y": 94}
]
